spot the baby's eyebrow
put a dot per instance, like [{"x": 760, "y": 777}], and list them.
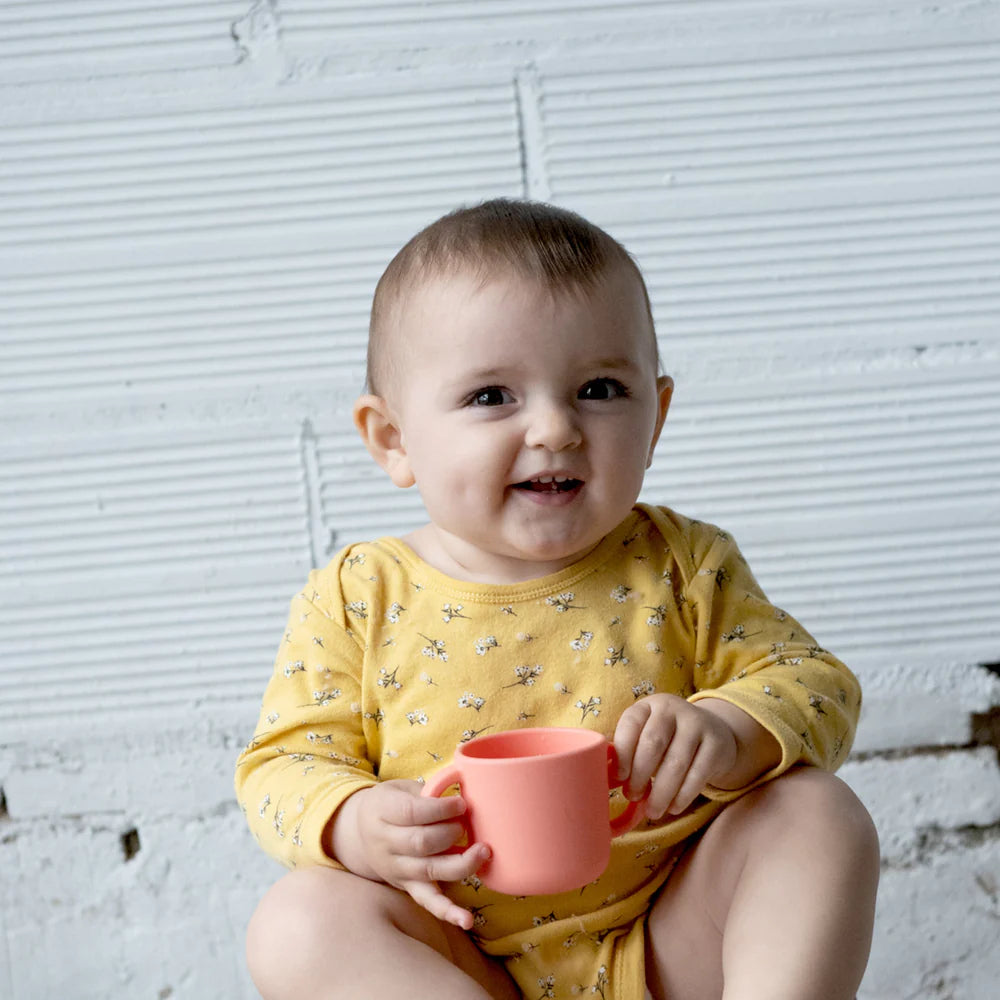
[
  {"x": 500, "y": 373},
  {"x": 613, "y": 363},
  {"x": 483, "y": 374}
]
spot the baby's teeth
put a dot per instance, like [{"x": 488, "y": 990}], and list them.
[{"x": 545, "y": 479}]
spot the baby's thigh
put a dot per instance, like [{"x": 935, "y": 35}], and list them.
[
  {"x": 787, "y": 832},
  {"x": 318, "y": 924}
]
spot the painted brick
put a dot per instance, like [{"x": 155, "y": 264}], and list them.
[
  {"x": 935, "y": 936},
  {"x": 196, "y": 202},
  {"x": 921, "y": 795}
]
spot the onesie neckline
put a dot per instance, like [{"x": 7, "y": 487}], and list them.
[{"x": 509, "y": 593}]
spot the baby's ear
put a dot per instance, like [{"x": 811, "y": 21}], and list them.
[
  {"x": 379, "y": 429},
  {"x": 664, "y": 393}
]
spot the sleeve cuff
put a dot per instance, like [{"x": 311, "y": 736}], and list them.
[
  {"x": 788, "y": 741},
  {"x": 321, "y": 811}
]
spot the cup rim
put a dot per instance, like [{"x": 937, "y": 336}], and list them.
[{"x": 588, "y": 738}]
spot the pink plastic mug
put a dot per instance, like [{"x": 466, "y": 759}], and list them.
[{"x": 539, "y": 799}]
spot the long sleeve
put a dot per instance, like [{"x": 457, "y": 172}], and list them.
[
  {"x": 308, "y": 753},
  {"x": 759, "y": 658}
]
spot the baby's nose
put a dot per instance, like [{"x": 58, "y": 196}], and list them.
[{"x": 554, "y": 427}]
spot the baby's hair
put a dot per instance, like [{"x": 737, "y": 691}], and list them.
[{"x": 556, "y": 248}]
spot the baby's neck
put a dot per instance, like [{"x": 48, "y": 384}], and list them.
[{"x": 458, "y": 559}]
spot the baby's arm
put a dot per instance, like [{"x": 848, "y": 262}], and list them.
[
  {"x": 765, "y": 695},
  {"x": 389, "y": 833},
  {"x": 310, "y": 793}
]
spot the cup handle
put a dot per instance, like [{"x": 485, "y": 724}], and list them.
[
  {"x": 635, "y": 812},
  {"x": 439, "y": 783}
]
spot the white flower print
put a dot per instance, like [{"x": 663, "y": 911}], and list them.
[
  {"x": 590, "y": 708},
  {"x": 526, "y": 675},
  {"x": 357, "y": 608},
  {"x": 620, "y": 593},
  {"x": 738, "y": 634},
  {"x": 264, "y": 803},
  {"x": 602, "y": 981},
  {"x": 816, "y": 702},
  {"x": 471, "y": 734},
  {"x": 294, "y": 667},
  {"x": 615, "y": 656},
  {"x": 657, "y": 617},
  {"x": 642, "y": 689},
  {"x": 581, "y": 642},
  {"x": 394, "y": 611},
  {"x": 386, "y": 679},
  {"x": 547, "y": 986},
  {"x": 484, "y": 645},
  {"x": 470, "y": 700},
  {"x": 418, "y": 717},
  {"x": 451, "y": 611},
  {"x": 435, "y": 648},
  {"x": 273, "y": 717},
  {"x": 563, "y": 602},
  {"x": 321, "y": 698}
]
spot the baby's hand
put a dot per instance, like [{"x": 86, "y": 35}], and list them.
[
  {"x": 403, "y": 835},
  {"x": 678, "y": 746}
]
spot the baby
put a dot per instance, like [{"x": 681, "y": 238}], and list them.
[{"x": 513, "y": 378}]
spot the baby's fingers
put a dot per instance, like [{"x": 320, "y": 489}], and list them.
[
  {"x": 421, "y": 841},
  {"x": 448, "y": 867},
  {"x": 645, "y": 736},
  {"x": 404, "y": 806},
  {"x": 435, "y": 902},
  {"x": 627, "y": 734}
]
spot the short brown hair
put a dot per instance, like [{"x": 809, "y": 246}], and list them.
[{"x": 552, "y": 246}]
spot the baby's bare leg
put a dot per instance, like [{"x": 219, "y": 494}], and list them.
[
  {"x": 323, "y": 934},
  {"x": 776, "y": 900}
]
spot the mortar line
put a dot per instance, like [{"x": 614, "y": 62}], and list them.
[
  {"x": 309, "y": 455},
  {"x": 531, "y": 133}
]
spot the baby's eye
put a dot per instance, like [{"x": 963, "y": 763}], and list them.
[
  {"x": 602, "y": 388},
  {"x": 492, "y": 395}
]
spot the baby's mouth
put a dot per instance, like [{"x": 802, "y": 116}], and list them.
[{"x": 549, "y": 484}]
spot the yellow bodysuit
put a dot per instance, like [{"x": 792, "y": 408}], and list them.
[{"x": 387, "y": 665}]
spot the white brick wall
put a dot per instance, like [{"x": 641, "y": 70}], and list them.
[{"x": 195, "y": 202}]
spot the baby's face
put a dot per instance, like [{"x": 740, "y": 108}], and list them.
[{"x": 528, "y": 419}]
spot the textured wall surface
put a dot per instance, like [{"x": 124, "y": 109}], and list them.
[{"x": 196, "y": 199}]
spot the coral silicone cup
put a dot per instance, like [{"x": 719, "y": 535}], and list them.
[{"x": 539, "y": 799}]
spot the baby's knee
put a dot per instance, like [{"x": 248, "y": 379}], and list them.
[
  {"x": 297, "y": 927},
  {"x": 314, "y": 921},
  {"x": 807, "y": 797}
]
